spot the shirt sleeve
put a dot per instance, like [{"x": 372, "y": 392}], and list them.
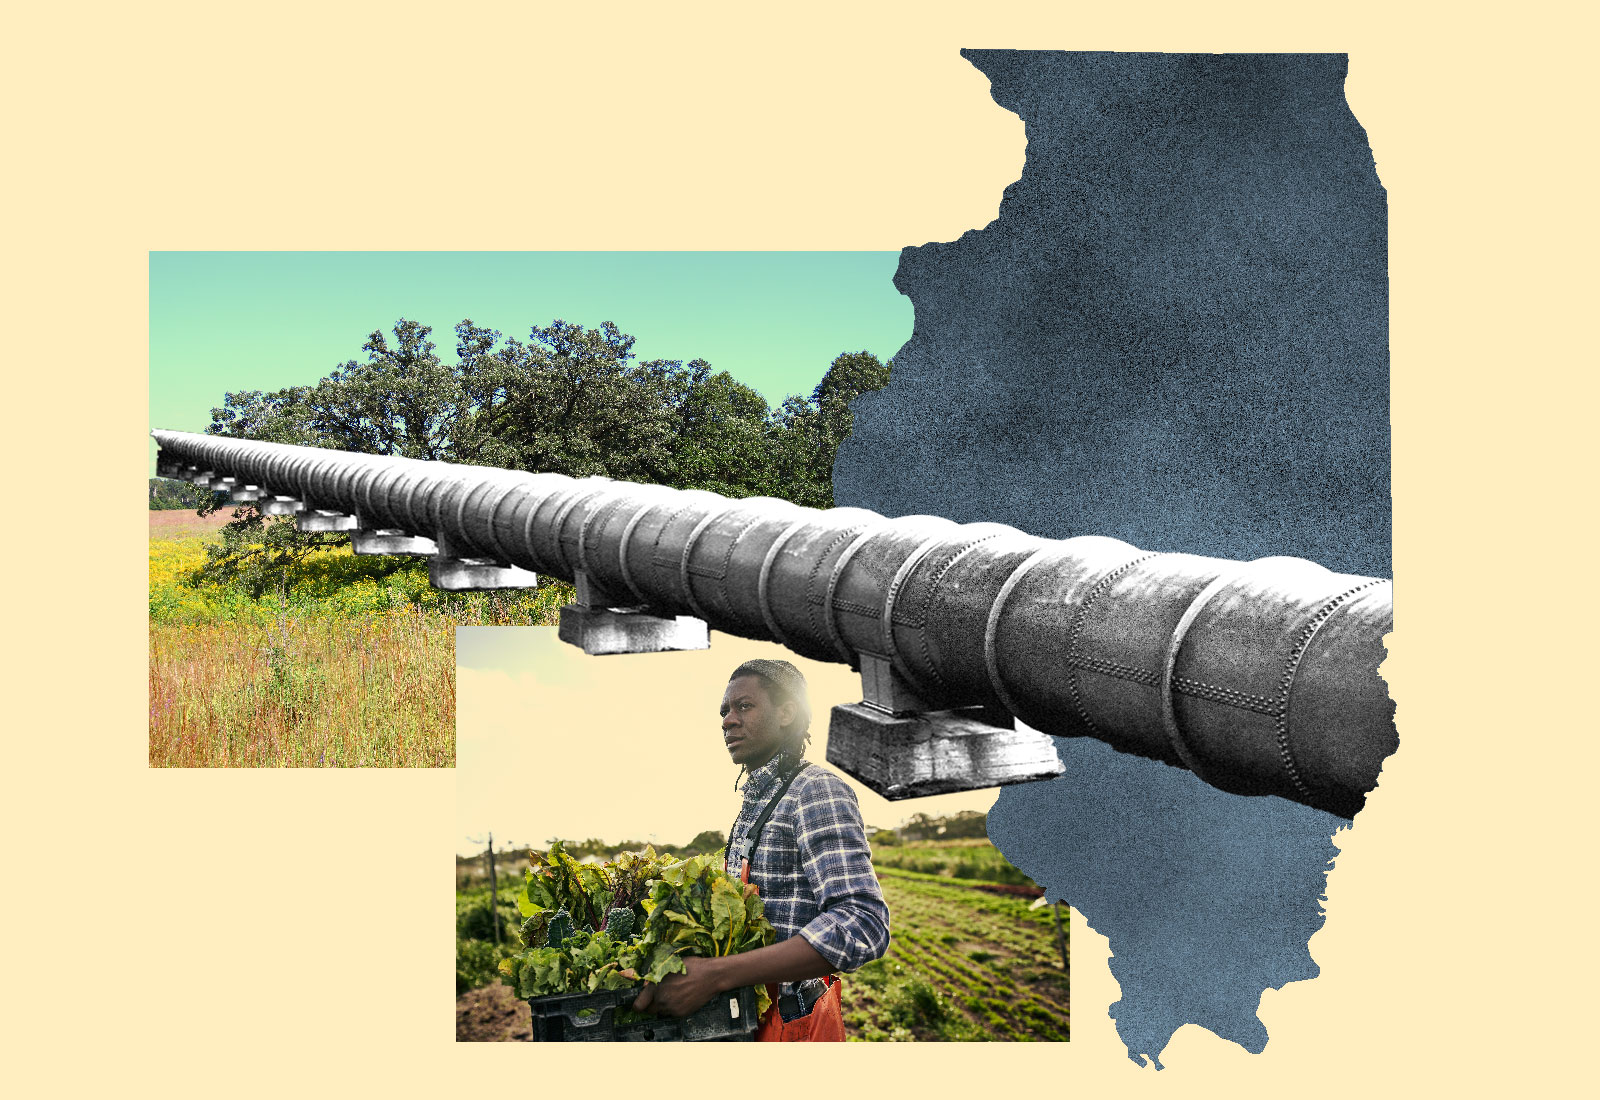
[{"x": 852, "y": 928}]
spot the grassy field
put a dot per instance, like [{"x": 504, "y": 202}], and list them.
[
  {"x": 349, "y": 664},
  {"x": 969, "y": 959},
  {"x": 973, "y": 858},
  {"x": 963, "y": 964}
]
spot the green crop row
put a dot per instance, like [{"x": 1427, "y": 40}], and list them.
[{"x": 977, "y": 860}]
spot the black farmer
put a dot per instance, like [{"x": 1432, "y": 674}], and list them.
[{"x": 810, "y": 861}]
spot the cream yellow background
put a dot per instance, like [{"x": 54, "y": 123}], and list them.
[
  {"x": 533, "y": 705},
  {"x": 263, "y": 934}
]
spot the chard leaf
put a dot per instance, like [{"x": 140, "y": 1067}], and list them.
[
  {"x": 665, "y": 961},
  {"x": 727, "y": 908},
  {"x": 682, "y": 918}
]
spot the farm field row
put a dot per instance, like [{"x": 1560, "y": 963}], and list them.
[{"x": 962, "y": 965}]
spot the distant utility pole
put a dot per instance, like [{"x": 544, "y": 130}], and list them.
[
  {"x": 494, "y": 897},
  {"x": 1061, "y": 935}
]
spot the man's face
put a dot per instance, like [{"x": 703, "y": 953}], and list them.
[{"x": 752, "y": 724}]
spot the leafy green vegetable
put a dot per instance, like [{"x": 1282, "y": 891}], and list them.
[
  {"x": 698, "y": 909},
  {"x": 619, "y": 923},
  {"x": 587, "y": 890},
  {"x": 535, "y": 930},
  {"x": 560, "y": 928},
  {"x": 582, "y": 919}
]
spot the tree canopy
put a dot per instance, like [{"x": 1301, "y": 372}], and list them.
[{"x": 568, "y": 400}]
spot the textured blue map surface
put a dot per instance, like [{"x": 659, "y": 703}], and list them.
[{"x": 1176, "y": 334}]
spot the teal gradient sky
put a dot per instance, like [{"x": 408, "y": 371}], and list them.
[{"x": 228, "y": 321}]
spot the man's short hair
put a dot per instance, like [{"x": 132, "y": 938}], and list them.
[{"x": 783, "y": 682}]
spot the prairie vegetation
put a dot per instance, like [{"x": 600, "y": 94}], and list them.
[{"x": 347, "y": 662}]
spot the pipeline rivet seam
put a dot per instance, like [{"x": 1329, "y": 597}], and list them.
[
  {"x": 763, "y": 580},
  {"x": 865, "y": 610},
  {"x": 538, "y": 506},
  {"x": 1286, "y": 682},
  {"x": 576, "y": 498},
  {"x": 592, "y": 517},
  {"x": 622, "y": 547},
  {"x": 1215, "y": 693},
  {"x": 991, "y": 627},
  {"x": 688, "y": 551},
  {"x": 891, "y": 601},
  {"x": 667, "y": 562},
  {"x": 933, "y": 588},
  {"x": 1076, "y": 632},
  {"x": 494, "y": 514},
  {"x": 830, "y": 612},
  {"x": 814, "y": 599},
  {"x": 1113, "y": 669},
  {"x": 727, "y": 561}
]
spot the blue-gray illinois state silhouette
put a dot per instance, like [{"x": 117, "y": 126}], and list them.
[{"x": 1176, "y": 334}]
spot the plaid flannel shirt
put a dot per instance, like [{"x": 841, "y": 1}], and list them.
[{"x": 813, "y": 864}]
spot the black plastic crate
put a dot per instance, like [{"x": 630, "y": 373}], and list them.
[{"x": 591, "y": 1018}]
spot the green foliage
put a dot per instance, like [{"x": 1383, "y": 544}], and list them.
[
  {"x": 619, "y": 923},
  {"x": 909, "y": 1006},
  {"x": 917, "y": 1004},
  {"x": 587, "y": 943},
  {"x": 698, "y": 909},
  {"x": 560, "y": 928},
  {"x": 167, "y": 495},
  {"x": 956, "y": 846},
  {"x": 258, "y": 554},
  {"x": 477, "y": 963},
  {"x": 967, "y": 824},
  {"x": 979, "y": 861},
  {"x": 710, "y": 840},
  {"x": 477, "y": 957},
  {"x": 568, "y": 400},
  {"x": 193, "y": 581},
  {"x": 808, "y": 432},
  {"x": 594, "y": 846},
  {"x": 988, "y": 964},
  {"x": 651, "y": 912},
  {"x": 962, "y": 964},
  {"x": 536, "y": 929},
  {"x": 477, "y": 922},
  {"x": 557, "y": 881}
]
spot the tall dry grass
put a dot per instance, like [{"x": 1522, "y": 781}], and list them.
[
  {"x": 343, "y": 667},
  {"x": 309, "y": 691}
]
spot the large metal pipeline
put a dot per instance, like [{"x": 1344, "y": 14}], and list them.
[{"x": 1260, "y": 677}]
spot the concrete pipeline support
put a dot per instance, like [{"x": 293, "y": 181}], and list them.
[{"x": 1260, "y": 677}]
